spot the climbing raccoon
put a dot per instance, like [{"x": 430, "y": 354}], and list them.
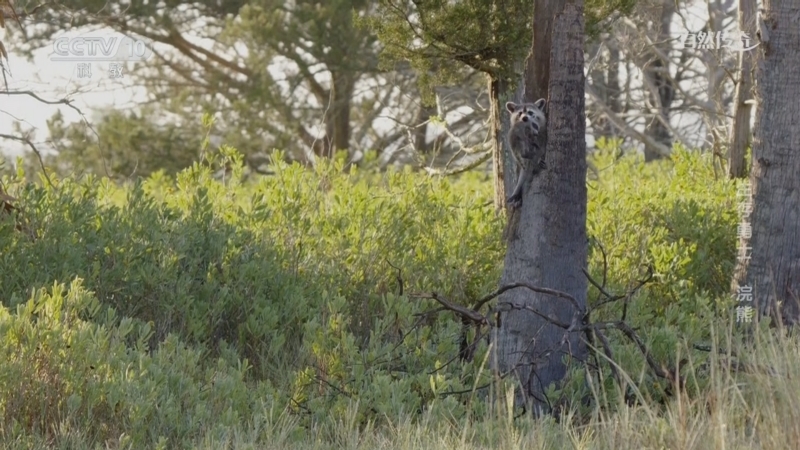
[{"x": 526, "y": 121}]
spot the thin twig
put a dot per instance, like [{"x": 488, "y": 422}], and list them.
[
  {"x": 462, "y": 311},
  {"x": 35, "y": 151},
  {"x": 540, "y": 290}
]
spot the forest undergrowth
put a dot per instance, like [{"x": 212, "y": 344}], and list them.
[{"x": 207, "y": 311}]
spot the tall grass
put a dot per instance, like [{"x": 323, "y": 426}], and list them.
[{"x": 758, "y": 410}]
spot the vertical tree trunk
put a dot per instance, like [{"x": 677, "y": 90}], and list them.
[
  {"x": 548, "y": 245},
  {"x": 421, "y": 145},
  {"x": 498, "y": 155},
  {"x": 337, "y": 116},
  {"x": 715, "y": 74},
  {"x": 773, "y": 270},
  {"x": 612, "y": 83},
  {"x": 601, "y": 125},
  {"x": 662, "y": 84},
  {"x": 499, "y": 93},
  {"x": 605, "y": 81},
  {"x": 740, "y": 128}
]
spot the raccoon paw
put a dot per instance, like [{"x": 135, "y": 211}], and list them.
[
  {"x": 542, "y": 164},
  {"x": 514, "y": 201}
]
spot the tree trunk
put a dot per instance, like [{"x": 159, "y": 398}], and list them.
[
  {"x": 337, "y": 118},
  {"x": 662, "y": 93},
  {"x": 612, "y": 84},
  {"x": 548, "y": 245},
  {"x": 498, "y": 155},
  {"x": 600, "y": 124},
  {"x": 773, "y": 270},
  {"x": 605, "y": 81},
  {"x": 421, "y": 144},
  {"x": 740, "y": 129},
  {"x": 500, "y": 124},
  {"x": 717, "y": 97}
]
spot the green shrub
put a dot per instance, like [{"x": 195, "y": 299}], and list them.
[
  {"x": 68, "y": 367},
  {"x": 306, "y": 276}
]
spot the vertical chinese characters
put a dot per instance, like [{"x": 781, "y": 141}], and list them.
[{"x": 744, "y": 294}]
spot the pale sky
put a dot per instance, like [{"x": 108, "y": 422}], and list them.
[{"x": 55, "y": 80}]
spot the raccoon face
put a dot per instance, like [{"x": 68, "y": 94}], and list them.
[{"x": 532, "y": 113}]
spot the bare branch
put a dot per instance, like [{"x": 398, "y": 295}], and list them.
[
  {"x": 540, "y": 290},
  {"x": 662, "y": 149},
  {"x": 63, "y": 101},
  {"x": 464, "y": 313},
  {"x": 25, "y": 140},
  {"x": 447, "y": 172},
  {"x": 506, "y": 306}
]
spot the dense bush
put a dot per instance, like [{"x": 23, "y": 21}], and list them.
[
  {"x": 679, "y": 219},
  {"x": 197, "y": 303},
  {"x": 70, "y": 368}
]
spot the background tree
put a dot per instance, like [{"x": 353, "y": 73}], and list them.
[
  {"x": 660, "y": 86},
  {"x": 124, "y": 143},
  {"x": 768, "y": 260},
  {"x": 265, "y": 69},
  {"x": 445, "y": 40},
  {"x": 672, "y": 91},
  {"x": 740, "y": 128},
  {"x": 6, "y": 10},
  {"x": 605, "y": 80},
  {"x": 298, "y": 76}
]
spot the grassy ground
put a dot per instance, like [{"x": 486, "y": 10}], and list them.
[{"x": 754, "y": 407}]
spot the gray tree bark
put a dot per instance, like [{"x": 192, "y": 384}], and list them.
[
  {"x": 498, "y": 95},
  {"x": 715, "y": 77},
  {"x": 662, "y": 92},
  {"x": 605, "y": 81},
  {"x": 740, "y": 129},
  {"x": 547, "y": 236},
  {"x": 421, "y": 145},
  {"x": 613, "y": 86},
  {"x": 773, "y": 268},
  {"x": 337, "y": 119}
]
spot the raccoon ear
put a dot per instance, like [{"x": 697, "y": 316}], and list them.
[
  {"x": 540, "y": 103},
  {"x": 511, "y": 106}
]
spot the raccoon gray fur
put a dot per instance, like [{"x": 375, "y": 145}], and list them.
[{"x": 527, "y": 119}]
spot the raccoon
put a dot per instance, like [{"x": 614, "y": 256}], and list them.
[{"x": 526, "y": 121}]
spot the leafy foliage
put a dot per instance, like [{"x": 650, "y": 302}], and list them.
[
  {"x": 123, "y": 144},
  {"x": 599, "y": 14},
  {"x": 676, "y": 218},
  {"x": 442, "y": 39},
  {"x": 196, "y": 303},
  {"x": 296, "y": 76},
  {"x": 71, "y": 365}
]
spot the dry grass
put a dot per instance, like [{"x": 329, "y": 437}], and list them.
[{"x": 757, "y": 407}]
